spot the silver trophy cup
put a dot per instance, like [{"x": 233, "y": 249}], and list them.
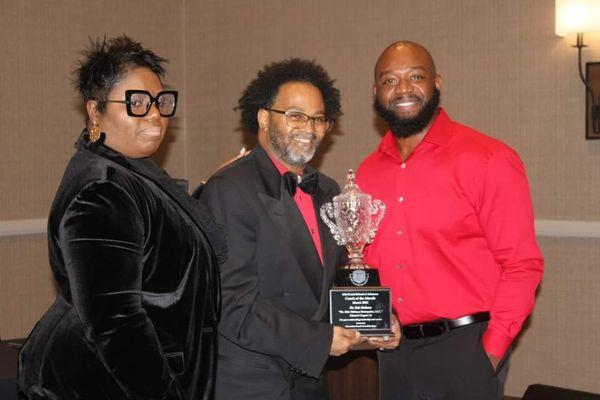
[
  {"x": 357, "y": 300},
  {"x": 356, "y": 217}
]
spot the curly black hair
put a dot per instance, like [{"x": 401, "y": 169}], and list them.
[
  {"x": 106, "y": 62},
  {"x": 261, "y": 92}
]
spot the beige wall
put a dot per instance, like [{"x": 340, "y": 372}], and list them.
[
  {"x": 504, "y": 72},
  {"x": 41, "y": 118}
]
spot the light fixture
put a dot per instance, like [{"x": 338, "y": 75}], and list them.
[{"x": 580, "y": 16}]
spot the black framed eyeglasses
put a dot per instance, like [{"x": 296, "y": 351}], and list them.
[
  {"x": 297, "y": 119},
  {"x": 139, "y": 102}
]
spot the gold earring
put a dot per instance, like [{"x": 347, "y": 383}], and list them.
[{"x": 94, "y": 133}]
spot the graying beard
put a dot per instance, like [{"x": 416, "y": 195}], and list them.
[{"x": 297, "y": 161}]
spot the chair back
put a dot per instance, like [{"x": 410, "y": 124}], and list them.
[{"x": 544, "y": 392}]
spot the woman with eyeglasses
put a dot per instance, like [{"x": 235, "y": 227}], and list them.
[{"x": 134, "y": 258}]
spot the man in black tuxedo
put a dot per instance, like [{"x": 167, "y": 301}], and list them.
[{"x": 274, "y": 338}]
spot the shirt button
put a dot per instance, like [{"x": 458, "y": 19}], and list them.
[
  {"x": 400, "y": 199},
  {"x": 400, "y": 299},
  {"x": 403, "y": 165},
  {"x": 399, "y": 232},
  {"x": 399, "y": 266}
]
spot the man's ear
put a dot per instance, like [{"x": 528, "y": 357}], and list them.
[
  {"x": 438, "y": 82},
  {"x": 263, "y": 119}
]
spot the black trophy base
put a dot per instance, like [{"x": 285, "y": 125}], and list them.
[{"x": 359, "y": 302}]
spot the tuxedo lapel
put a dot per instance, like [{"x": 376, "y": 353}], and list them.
[
  {"x": 284, "y": 212},
  {"x": 329, "y": 248}
]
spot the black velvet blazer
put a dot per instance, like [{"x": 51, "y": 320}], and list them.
[{"x": 136, "y": 266}]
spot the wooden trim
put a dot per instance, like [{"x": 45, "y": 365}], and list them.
[
  {"x": 543, "y": 228},
  {"x": 23, "y": 227},
  {"x": 560, "y": 228}
]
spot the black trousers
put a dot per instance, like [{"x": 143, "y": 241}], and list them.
[{"x": 452, "y": 366}]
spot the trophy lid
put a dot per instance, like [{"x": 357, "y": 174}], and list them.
[{"x": 351, "y": 189}]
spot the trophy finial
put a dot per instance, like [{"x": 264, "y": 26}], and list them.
[{"x": 351, "y": 185}]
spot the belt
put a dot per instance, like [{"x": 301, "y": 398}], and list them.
[{"x": 441, "y": 326}]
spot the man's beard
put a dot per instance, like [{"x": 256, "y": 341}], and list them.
[
  {"x": 283, "y": 145},
  {"x": 405, "y": 127}
]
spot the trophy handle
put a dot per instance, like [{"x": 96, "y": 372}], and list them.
[
  {"x": 377, "y": 212},
  {"x": 327, "y": 215}
]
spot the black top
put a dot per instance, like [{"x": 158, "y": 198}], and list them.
[
  {"x": 135, "y": 262},
  {"x": 274, "y": 286}
]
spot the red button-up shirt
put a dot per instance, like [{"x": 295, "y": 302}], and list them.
[
  {"x": 307, "y": 209},
  {"x": 458, "y": 234}
]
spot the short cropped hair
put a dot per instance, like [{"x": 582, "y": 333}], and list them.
[
  {"x": 107, "y": 61},
  {"x": 263, "y": 90}
]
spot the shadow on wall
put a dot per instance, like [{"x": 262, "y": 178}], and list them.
[
  {"x": 173, "y": 132},
  {"x": 327, "y": 144},
  {"x": 380, "y": 125}
]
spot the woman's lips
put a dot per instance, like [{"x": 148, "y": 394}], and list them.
[{"x": 151, "y": 132}]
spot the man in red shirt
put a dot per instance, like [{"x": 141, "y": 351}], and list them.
[{"x": 457, "y": 244}]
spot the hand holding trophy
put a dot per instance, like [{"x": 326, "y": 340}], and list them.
[{"x": 357, "y": 301}]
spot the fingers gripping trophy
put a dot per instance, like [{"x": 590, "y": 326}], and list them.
[{"x": 357, "y": 301}]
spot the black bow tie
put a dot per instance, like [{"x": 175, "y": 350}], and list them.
[{"x": 306, "y": 182}]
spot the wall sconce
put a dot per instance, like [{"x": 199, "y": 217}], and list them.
[{"x": 580, "y": 16}]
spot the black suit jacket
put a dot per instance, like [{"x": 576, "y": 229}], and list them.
[
  {"x": 134, "y": 261},
  {"x": 273, "y": 340}
]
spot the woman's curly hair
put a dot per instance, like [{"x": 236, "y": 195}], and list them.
[
  {"x": 106, "y": 62},
  {"x": 261, "y": 92}
]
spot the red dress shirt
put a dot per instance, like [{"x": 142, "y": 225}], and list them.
[
  {"x": 307, "y": 209},
  {"x": 458, "y": 234}
]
